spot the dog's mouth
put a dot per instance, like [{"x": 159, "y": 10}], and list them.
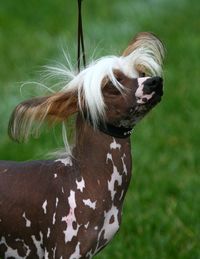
[{"x": 156, "y": 98}]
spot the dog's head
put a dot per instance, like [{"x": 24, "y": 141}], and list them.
[
  {"x": 138, "y": 97},
  {"x": 140, "y": 76},
  {"x": 113, "y": 90}
]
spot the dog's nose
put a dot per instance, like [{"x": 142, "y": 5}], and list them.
[{"x": 154, "y": 84}]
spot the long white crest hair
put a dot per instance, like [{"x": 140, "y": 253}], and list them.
[
  {"x": 84, "y": 90},
  {"x": 145, "y": 55}
]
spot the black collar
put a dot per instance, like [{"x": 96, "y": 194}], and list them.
[
  {"x": 109, "y": 129},
  {"x": 117, "y": 132}
]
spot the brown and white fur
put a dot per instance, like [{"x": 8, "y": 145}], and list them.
[{"x": 71, "y": 207}]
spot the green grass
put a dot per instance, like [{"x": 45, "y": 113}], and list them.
[{"x": 162, "y": 210}]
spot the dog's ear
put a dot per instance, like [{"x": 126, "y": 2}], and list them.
[
  {"x": 29, "y": 115},
  {"x": 145, "y": 40},
  {"x": 146, "y": 46}
]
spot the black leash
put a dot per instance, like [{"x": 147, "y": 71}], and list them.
[{"x": 81, "y": 48}]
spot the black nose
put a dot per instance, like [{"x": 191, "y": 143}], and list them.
[{"x": 154, "y": 84}]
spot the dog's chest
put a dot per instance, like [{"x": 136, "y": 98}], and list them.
[{"x": 109, "y": 202}]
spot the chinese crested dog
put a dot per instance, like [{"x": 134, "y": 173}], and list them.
[{"x": 71, "y": 207}]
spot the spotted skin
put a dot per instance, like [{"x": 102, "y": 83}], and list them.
[
  {"x": 73, "y": 215},
  {"x": 71, "y": 207}
]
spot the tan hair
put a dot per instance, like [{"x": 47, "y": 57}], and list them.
[{"x": 54, "y": 108}]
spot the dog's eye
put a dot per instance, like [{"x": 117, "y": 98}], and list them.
[
  {"x": 142, "y": 74},
  {"x": 111, "y": 89},
  {"x": 119, "y": 79}
]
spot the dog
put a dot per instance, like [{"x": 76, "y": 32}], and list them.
[{"x": 70, "y": 207}]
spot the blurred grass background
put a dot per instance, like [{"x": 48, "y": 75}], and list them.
[{"x": 162, "y": 211}]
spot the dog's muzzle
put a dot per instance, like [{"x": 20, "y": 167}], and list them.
[{"x": 150, "y": 89}]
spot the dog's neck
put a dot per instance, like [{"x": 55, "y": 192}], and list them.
[
  {"x": 89, "y": 139},
  {"x": 100, "y": 154}
]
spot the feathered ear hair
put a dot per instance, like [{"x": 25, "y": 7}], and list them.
[
  {"x": 150, "y": 50},
  {"x": 29, "y": 115}
]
